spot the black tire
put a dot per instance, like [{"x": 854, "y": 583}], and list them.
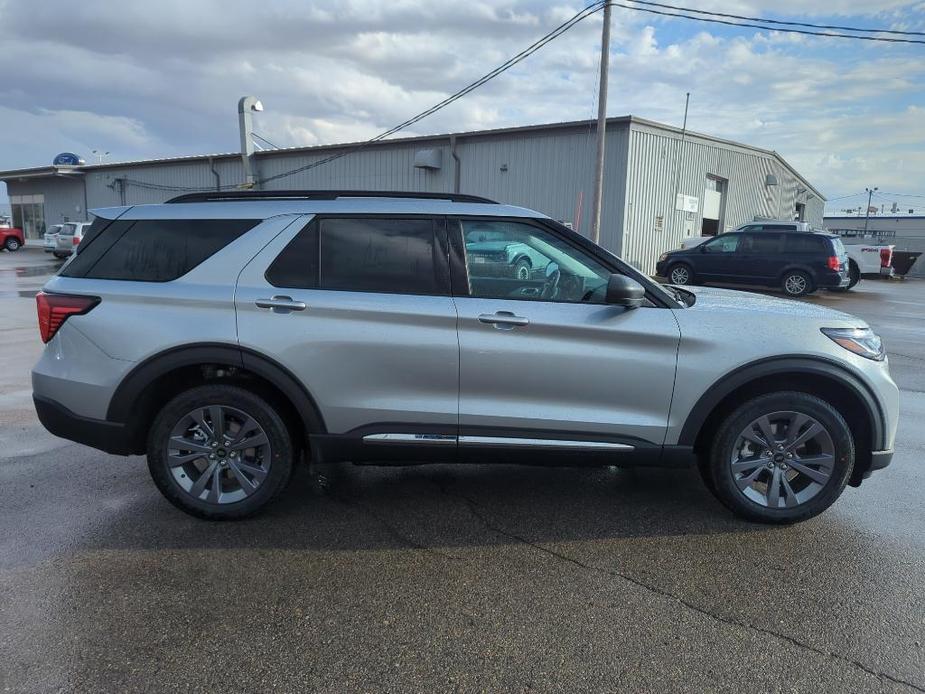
[
  {"x": 60, "y": 256},
  {"x": 278, "y": 471},
  {"x": 12, "y": 244},
  {"x": 854, "y": 276},
  {"x": 522, "y": 269},
  {"x": 720, "y": 478},
  {"x": 796, "y": 283},
  {"x": 681, "y": 273}
]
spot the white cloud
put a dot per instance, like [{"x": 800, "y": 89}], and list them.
[{"x": 155, "y": 79}]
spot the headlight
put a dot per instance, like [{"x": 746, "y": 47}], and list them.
[
  {"x": 662, "y": 258},
  {"x": 862, "y": 341}
]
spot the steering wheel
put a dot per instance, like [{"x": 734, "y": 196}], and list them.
[{"x": 551, "y": 283}]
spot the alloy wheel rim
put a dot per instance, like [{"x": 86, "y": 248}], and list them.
[
  {"x": 782, "y": 460},
  {"x": 218, "y": 454},
  {"x": 523, "y": 272},
  {"x": 796, "y": 284},
  {"x": 679, "y": 275}
]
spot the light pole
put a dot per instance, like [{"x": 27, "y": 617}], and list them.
[
  {"x": 870, "y": 195},
  {"x": 99, "y": 155},
  {"x": 247, "y": 105}
]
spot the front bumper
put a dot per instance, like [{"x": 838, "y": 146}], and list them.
[{"x": 110, "y": 437}]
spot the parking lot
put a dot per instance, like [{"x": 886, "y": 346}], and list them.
[{"x": 493, "y": 578}]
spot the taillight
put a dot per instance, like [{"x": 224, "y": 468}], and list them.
[
  {"x": 76, "y": 240},
  {"x": 54, "y": 309},
  {"x": 834, "y": 263},
  {"x": 886, "y": 257}
]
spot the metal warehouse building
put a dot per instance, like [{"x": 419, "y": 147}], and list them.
[{"x": 661, "y": 183}]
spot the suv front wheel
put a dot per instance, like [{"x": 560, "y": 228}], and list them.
[
  {"x": 780, "y": 458},
  {"x": 219, "y": 452}
]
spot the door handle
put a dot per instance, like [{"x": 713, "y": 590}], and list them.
[
  {"x": 503, "y": 320},
  {"x": 280, "y": 304}
]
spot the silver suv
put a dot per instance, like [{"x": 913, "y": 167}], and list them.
[{"x": 229, "y": 335}]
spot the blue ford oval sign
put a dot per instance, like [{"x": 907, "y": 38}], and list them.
[{"x": 67, "y": 159}]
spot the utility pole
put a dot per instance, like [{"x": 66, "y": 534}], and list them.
[
  {"x": 246, "y": 105},
  {"x": 677, "y": 158},
  {"x": 601, "y": 128},
  {"x": 870, "y": 195}
]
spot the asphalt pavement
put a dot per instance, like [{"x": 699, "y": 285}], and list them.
[{"x": 435, "y": 578}]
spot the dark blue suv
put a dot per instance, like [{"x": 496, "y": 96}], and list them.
[{"x": 798, "y": 262}]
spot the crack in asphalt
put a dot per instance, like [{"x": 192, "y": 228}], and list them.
[
  {"x": 391, "y": 529},
  {"x": 729, "y": 621}
]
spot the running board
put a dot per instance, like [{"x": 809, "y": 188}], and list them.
[{"x": 495, "y": 441}]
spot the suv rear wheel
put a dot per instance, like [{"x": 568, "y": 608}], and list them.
[
  {"x": 797, "y": 283},
  {"x": 12, "y": 244},
  {"x": 219, "y": 452},
  {"x": 780, "y": 458}
]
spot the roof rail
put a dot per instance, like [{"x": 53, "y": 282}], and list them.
[{"x": 222, "y": 196}]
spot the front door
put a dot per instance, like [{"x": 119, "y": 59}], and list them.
[
  {"x": 717, "y": 259},
  {"x": 359, "y": 310},
  {"x": 544, "y": 362}
]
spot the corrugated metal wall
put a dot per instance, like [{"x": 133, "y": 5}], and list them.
[
  {"x": 546, "y": 169},
  {"x": 656, "y": 171}
]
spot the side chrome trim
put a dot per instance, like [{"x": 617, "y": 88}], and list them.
[
  {"x": 410, "y": 438},
  {"x": 504, "y": 441}
]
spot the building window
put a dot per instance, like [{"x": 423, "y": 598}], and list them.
[{"x": 29, "y": 214}]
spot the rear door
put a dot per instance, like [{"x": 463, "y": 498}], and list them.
[
  {"x": 544, "y": 360},
  {"x": 358, "y": 308},
  {"x": 761, "y": 257}
]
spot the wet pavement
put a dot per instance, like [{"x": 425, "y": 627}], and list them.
[{"x": 432, "y": 578}]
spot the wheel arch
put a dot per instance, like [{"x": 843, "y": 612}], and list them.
[
  {"x": 814, "y": 375},
  {"x": 163, "y": 375}
]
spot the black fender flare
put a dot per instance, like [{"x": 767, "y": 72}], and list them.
[
  {"x": 782, "y": 365},
  {"x": 147, "y": 372}
]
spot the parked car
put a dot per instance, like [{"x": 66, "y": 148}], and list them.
[
  {"x": 494, "y": 248},
  {"x": 797, "y": 262},
  {"x": 229, "y": 335},
  {"x": 69, "y": 237},
  {"x": 50, "y": 240},
  {"x": 864, "y": 260},
  {"x": 11, "y": 238}
]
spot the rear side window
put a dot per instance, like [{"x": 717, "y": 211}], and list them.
[
  {"x": 762, "y": 243},
  {"x": 392, "y": 256},
  {"x": 157, "y": 250},
  {"x": 805, "y": 243}
]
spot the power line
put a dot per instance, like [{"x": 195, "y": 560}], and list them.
[
  {"x": 504, "y": 67},
  {"x": 764, "y": 27},
  {"x": 263, "y": 139},
  {"x": 779, "y": 21}
]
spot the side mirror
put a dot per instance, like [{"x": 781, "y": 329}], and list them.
[
  {"x": 702, "y": 248},
  {"x": 623, "y": 291}
]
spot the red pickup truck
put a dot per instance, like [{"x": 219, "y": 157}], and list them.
[{"x": 11, "y": 238}]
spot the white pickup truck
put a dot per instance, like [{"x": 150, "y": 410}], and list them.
[{"x": 864, "y": 260}]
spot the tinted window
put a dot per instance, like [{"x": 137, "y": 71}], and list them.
[
  {"x": 368, "y": 255},
  {"x": 297, "y": 265},
  {"x": 725, "y": 243},
  {"x": 154, "y": 250},
  {"x": 762, "y": 243},
  {"x": 512, "y": 260},
  {"x": 804, "y": 243}
]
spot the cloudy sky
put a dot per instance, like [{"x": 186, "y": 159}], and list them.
[{"x": 150, "y": 79}]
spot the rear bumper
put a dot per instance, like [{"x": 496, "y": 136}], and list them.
[
  {"x": 111, "y": 437},
  {"x": 830, "y": 279}
]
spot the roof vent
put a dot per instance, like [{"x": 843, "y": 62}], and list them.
[
  {"x": 770, "y": 180},
  {"x": 428, "y": 159}
]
